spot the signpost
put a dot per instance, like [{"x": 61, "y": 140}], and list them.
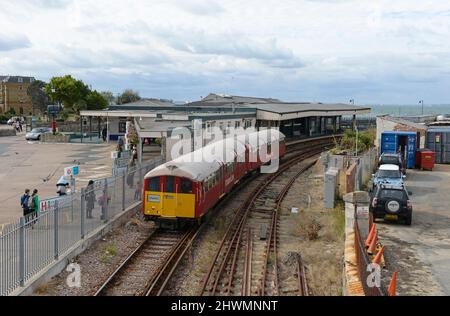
[{"x": 72, "y": 172}]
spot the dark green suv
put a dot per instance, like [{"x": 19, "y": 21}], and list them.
[{"x": 391, "y": 202}]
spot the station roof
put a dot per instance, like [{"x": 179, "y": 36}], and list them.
[
  {"x": 157, "y": 128},
  {"x": 276, "y": 110},
  {"x": 403, "y": 122}
]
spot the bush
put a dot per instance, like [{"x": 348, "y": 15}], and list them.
[{"x": 347, "y": 144}]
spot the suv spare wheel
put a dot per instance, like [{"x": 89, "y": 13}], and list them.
[{"x": 393, "y": 206}]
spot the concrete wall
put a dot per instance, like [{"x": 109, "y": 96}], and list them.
[{"x": 7, "y": 131}]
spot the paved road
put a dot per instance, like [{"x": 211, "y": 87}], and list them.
[
  {"x": 421, "y": 253},
  {"x": 27, "y": 164}
]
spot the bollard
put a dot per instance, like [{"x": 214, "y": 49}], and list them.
[
  {"x": 22, "y": 251},
  {"x": 83, "y": 213}
]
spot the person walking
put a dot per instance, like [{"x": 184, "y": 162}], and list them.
[
  {"x": 24, "y": 203},
  {"x": 34, "y": 206},
  {"x": 90, "y": 199},
  {"x": 137, "y": 192}
]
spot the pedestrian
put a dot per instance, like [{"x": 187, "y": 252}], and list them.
[
  {"x": 137, "y": 193},
  {"x": 130, "y": 177},
  {"x": 34, "y": 206},
  {"x": 90, "y": 199},
  {"x": 17, "y": 126},
  {"x": 104, "y": 134},
  {"x": 103, "y": 205},
  {"x": 24, "y": 203},
  {"x": 61, "y": 186},
  {"x": 20, "y": 126}
]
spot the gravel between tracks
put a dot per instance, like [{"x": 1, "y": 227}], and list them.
[
  {"x": 315, "y": 233},
  {"x": 100, "y": 260}
]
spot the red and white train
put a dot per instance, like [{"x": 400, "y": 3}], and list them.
[{"x": 186, "y": 188}]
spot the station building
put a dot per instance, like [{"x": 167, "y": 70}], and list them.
[{"x": 157, "y": 119}]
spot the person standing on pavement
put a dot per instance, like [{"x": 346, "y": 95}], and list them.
[
  {"x": 24, "y": 202},
  {"x": 34, "y": 205},
  {"x": 104, "y": 134},
  {"x": 90, "y": 199}
]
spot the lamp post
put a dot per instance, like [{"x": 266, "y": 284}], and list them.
[
  {"x": 421, "y": 102},
  {"x": 53, "y": 116}
]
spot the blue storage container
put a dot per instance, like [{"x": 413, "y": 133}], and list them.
[{"x": 401, "y": 142}]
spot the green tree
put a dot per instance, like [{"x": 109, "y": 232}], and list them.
[
  {"x": 129, "y": 96},
  {"x": 67, "y": 90},
  {"x": 96, "y": 101},
  {"x": 38, "y": 96},
  {"x": 109, "y": 96}
]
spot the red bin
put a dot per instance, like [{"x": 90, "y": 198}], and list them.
[{"x": 425, "y": 159}]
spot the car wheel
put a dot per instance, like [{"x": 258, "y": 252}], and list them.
[
  {"x": 38, "y": 138},
  {"x": 408, "y": 220}
]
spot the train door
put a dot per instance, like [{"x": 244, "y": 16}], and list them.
[{"x": 169, "y": 198}]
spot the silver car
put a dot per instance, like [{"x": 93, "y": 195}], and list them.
[{"x": 36, "y": 133}]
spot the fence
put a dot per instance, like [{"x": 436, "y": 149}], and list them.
[
  {"x": 363, "y": 262},
  {"x": 32, "y": 243}
]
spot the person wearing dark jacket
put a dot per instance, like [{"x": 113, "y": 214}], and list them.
[
  {"x": 25, "y": 202},
  {"x": 90, "y": 199}
]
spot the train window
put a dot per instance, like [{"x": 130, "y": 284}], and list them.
[
  {"x": 155, "y": 185},
  {"x": 170, "y": 184},
  {"x": 186, "y": 186}
]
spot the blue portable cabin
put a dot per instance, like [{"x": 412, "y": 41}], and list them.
[{"x": 401, "y": 142}]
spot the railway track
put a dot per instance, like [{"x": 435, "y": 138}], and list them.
[
  {"x": 142, "y": 272},
  {"x": 148, "y": 270},
  {"x": 246, "y": 262}
]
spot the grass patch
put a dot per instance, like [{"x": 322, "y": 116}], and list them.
[
  {"x": 339, "y": 220},
  {"x": 108, "y": 252}
]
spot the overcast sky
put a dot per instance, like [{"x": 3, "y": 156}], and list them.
[{"x": 296, "y": 50}]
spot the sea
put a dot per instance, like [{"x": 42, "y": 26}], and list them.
[{"x": 405, "y": 110}]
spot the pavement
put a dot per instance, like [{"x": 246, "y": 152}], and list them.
[
  {"x": 37, "y": 165},
  {"x": 421, "y": 253}
]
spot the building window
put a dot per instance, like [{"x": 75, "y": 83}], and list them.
[{"x": 20, "y": 80}]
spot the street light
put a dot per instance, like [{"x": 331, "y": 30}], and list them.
[
  {"x": 53, "y": 115},
  {"x": 421, "y": 102}
]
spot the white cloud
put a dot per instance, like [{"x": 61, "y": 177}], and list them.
[{"x": 291, "y": 49}]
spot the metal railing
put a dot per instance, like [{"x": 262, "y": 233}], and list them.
[{"x": 32, "y": 243}]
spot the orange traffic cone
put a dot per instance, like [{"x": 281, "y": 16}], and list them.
[
  {"x": 377, "y": 258},
  {"x": 392, "y": 291},
  {"x": 371, "y": 235},
  {"x": 373, "y": 244}
]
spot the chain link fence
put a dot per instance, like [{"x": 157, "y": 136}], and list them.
[{"x": 32, "y": 243}]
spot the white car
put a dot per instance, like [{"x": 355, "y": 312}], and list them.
[
  {"x": 36, "y": 133},
  {"x": 388, "y": 174}
]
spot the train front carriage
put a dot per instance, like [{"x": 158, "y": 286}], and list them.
[
  {"x": 175, "y": 191},
  {"x": 170, "y": 197}
]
